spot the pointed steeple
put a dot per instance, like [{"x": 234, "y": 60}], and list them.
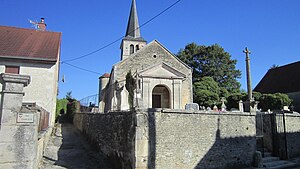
[
  {"x": 133, "y": 29},
  {"x": 132, "y": 42}
]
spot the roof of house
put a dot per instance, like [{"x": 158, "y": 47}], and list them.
[
  {"x": 283, "y": 79},
  {"x": 20, "y": 43}
]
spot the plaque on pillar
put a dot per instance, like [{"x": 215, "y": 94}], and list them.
[{"x": 25, "y": 118}]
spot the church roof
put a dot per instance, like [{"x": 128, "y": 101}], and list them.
[
  {"x": 283, "y": 79},
  {"x": 154, "y": 42},
  {"x": 20, "y": 43},
  {"x": 133, "y": 29}
]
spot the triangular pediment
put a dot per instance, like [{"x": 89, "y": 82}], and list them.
[{"x": 162, "y": 70}]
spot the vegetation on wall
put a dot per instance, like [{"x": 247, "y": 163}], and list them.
[
  {"x": 67, "y": 107},
  {"x": 206, "y": 92},
  {"x": 274, "y": 101},
  {"x": 61, "y": 107},
  {"x": 215, "y": 76},
  {"x": 265, "y": 101}
]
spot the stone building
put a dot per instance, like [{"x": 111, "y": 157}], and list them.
[
  {"x": 35, "y": 53},
  {"x": 162, "y": 80},
  {"x": 283, "y": 79}
]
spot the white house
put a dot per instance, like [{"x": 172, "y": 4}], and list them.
[{"x": 35, "y": 53}]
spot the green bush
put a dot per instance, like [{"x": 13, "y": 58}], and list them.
[
  {"x": 274, "y": 101},
  {"x": 61, "y": 107},
  {"x": 207, "y": 91},
  {"x": 234, "y": 98},
  {"x": 206, "y": 98},
  {"x": 72, "y": 108}
]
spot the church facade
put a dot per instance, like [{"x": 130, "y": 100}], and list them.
[{"x": 161, "y": 79}]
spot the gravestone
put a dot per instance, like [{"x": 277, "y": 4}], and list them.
[{"x": 192, "y": 106}]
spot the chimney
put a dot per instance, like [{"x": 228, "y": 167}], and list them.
[{"x": 41, "y": 25}]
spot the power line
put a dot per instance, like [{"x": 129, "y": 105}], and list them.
[
  {"x": 90, "y": 71},
  {"x": 113, "y": 42}
]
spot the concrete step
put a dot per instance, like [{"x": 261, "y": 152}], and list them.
[
  {"x": 285, "y": 166},
  {"x": 268, "y": 154},
  {"x": 278, "y": 164},
  {"x": 269, "y": 159}
]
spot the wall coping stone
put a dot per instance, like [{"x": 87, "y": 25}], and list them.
[{"x": 15, "y": 78}]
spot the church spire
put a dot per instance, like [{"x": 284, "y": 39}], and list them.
[
  {"x": 133, "y": 29},
  {"x": 132, "y": 42}
]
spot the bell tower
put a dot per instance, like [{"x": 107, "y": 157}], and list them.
[{"x": 132, "y": 42}]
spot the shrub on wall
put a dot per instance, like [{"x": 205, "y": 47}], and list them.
[
  {"x": 61, "y": 107},
  {"x": 207, "y": 91},
  {"x": 274, "y": 101},
  {"x": 233, "y": 100},
  {"x": 72, "y": 108}
]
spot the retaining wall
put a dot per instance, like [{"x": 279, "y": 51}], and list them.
[
  {"x": 201, "y": 140},
  {"x": 172, "y": 139},
  {"x": 112, "y": 133}
]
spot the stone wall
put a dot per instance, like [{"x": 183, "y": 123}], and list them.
[
  {"x": 184, "y": 140},
  {"x": 19, "y": 125},
  {"x": 172, "y": 139},
  {"x": 292, "y": 122},
  {"x": 281, "y": 134},
  {"x": 112, "y": 133}
]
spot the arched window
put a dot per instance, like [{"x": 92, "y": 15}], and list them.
[
  {"x": 137, "y": 48},
  {"x": 131, "y": 49}
]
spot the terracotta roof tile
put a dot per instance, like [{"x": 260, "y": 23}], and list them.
[
  {"x": 29, "y": 43},
  {"x": 105, "y": 75},
  {"x": 283, "y": 79}
]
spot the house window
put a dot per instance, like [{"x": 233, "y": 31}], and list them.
[
  {"x": 131, "y": 49},
  {"x": 137, "y": 48},
  {"x": 12, "y": 69}
]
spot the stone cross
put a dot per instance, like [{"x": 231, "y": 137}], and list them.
[{"x": 247, "y": 52}]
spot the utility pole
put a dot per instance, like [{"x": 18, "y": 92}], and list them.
[{"x": 247, "y": 52}]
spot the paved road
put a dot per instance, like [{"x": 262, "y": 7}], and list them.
[{"x": 69, "y": 149}]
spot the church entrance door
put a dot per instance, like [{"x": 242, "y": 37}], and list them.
[{"x": 160, "y": 97}]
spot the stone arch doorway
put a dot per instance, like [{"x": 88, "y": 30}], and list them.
[{"x": 161, "y": 97}]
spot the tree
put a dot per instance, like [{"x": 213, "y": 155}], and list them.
[
  {"x": 206, "y": 92},
  {"x": 212, "y": 61}
]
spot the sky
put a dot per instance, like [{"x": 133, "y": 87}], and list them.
[{"x": 269, "y": 28}]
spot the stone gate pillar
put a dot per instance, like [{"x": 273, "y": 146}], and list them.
[{"x": 18, "y": 126}]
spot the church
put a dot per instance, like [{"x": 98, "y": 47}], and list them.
[{"x": 161, "y": 79}]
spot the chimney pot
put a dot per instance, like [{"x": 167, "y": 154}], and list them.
[{"x": 42, "y": 25}]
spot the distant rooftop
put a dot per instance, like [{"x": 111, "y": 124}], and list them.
[
  {"x": 29, "y": 44},
  {"x": 283, "y": 79}
]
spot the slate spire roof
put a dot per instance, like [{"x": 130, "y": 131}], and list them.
[{"x": 133, "y": 29}]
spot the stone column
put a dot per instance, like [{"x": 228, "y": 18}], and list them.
[
  {"x": 176, "y": 94},
  {"x": 142, "y": 141},
  {"x": 18, "y": 128},
  {"x": 147, "y": 95}
]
